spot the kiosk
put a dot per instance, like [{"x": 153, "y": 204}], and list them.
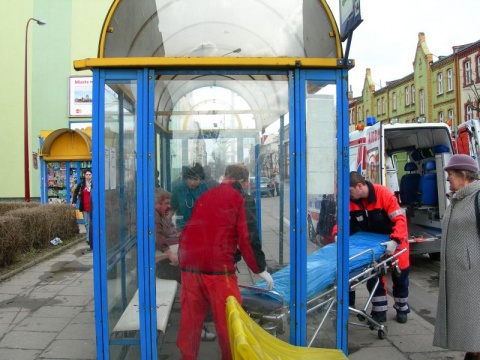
[
  {"x": 64, "y": 155},
  {"x": 176, "y": 83}
]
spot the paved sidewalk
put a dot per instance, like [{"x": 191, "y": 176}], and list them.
[{"x": 46, "y": 312}]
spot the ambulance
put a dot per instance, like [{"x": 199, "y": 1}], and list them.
[{"x": 409, "y": 160}]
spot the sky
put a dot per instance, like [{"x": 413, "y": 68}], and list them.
[{"x": 387, "y": 38}]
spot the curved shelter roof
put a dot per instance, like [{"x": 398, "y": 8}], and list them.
[
  {"x": 213, "y": 28},
  {"x": 277, "y": 35}
]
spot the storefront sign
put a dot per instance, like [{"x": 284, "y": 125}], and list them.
[{"x": 80, "y": 96}]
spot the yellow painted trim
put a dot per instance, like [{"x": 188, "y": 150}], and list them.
[
  {"x": 152, "y": 62},
  {"x": 106, "y": 23},
  {"x": 333, "y": 24}
]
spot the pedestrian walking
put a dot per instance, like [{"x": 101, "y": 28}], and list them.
[{"x": 83, "y": 193}]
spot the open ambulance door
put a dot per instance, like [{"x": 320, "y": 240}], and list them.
[
  {"x": 468, "y": 139},
  {"x": 375, "y": 154},
  {"x": 358, "y": 151}
]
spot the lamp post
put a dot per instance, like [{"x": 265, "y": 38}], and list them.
[{"x": 25, "y": 114}]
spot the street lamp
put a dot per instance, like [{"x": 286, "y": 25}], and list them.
[{"x": 25, "y": 114}]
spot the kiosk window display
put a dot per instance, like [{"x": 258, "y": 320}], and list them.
[{"x": 60, "y": 188}]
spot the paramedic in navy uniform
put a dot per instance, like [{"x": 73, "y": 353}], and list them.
[{"x": 374, "y": 208}]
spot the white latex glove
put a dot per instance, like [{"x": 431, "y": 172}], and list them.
[
  {"x": 391, "y": 246},
  {"x": 268, "y": 278}
]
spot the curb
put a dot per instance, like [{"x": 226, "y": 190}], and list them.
[{"x": 40, "y": 259}]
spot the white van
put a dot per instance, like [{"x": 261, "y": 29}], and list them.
[{"x": 409, "y": 159}]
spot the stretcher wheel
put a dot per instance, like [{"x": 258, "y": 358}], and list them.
[
  {"x": 361, "y": 317},
  {"x": 382, "y": 335}
]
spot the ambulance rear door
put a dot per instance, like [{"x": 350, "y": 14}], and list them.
[
  {"x": 357, "y": 142},
  {"x": 375, "y": 158},
  {"x": 468, "y": 138}
]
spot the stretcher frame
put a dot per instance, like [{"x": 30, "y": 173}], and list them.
[{"x": 275, "y": 319}]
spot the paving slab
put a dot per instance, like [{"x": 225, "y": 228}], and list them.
[{"x": 27, "y": 339}]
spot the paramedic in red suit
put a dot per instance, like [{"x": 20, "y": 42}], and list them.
[
  {"x": 208, "y": 244},
  {"x": 374, "y": 208}
]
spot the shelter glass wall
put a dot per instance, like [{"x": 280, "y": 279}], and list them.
[
  {"x": 321, "y": 208},
  {"x": 119, "y": 196},
  {"x": 215, "y": 124}
]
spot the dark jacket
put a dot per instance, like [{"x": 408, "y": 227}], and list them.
[
  {"x": 251, "y": 213},
  {"x": 78, "y": 195}
]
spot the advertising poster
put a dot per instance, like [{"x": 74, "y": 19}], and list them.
[
  {"x": 350, "y": 17},
  {"x": 80, "y": 96}
]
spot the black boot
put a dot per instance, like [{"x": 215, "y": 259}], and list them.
[{"x": 470, "y": 356}]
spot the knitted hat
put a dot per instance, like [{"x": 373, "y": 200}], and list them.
[
  {"x": 462, "y": 162},
  {"x": 194, "y": 172}
]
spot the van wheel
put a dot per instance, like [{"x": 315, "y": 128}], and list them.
[{"x": 434, "y": 256}]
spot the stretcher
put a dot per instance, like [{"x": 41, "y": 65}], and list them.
[{"x": 367, "y": 260}]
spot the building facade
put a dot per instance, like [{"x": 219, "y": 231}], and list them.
[
  {"x": 71, "y": 32},
  {"x": 445, "y": 90}
]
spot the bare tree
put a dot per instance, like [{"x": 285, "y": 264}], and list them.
[{"x": 474, "y": 95}]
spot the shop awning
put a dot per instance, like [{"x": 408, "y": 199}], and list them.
[{"x": 66, "y": 145}]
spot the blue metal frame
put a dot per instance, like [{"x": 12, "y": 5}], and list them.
[
  {"x": 98, "y": 219},
  {"x": 343, "y": 199}
]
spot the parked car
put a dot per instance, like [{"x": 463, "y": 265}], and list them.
[{"x": 267, "y": 186}]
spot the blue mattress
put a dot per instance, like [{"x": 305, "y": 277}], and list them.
[{"x": 322, "y": 265}]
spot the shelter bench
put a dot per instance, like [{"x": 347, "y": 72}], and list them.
[{"x": 129, "y": 322}]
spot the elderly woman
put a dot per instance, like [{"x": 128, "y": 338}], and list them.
[{"x": 457, "y": 325}]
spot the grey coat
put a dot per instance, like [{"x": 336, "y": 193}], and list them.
[{"x": 457, "y": 325}]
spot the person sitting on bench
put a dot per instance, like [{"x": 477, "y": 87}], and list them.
[{"x": 166, "y": 235}]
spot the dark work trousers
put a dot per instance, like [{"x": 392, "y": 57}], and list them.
[{"x": 400, "y": 292}]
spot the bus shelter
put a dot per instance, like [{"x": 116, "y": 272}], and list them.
[{"x": 216, "y": 83}]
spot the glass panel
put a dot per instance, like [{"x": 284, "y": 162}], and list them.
[
  {"x": 321, "y": 150},
  {"x": 215, "y": 126},
  {"x": 212, "y": 28},
  {"x": 120, "y": 208}
]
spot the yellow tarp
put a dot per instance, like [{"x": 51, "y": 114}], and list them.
[{"x": 250, "y": 342}]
